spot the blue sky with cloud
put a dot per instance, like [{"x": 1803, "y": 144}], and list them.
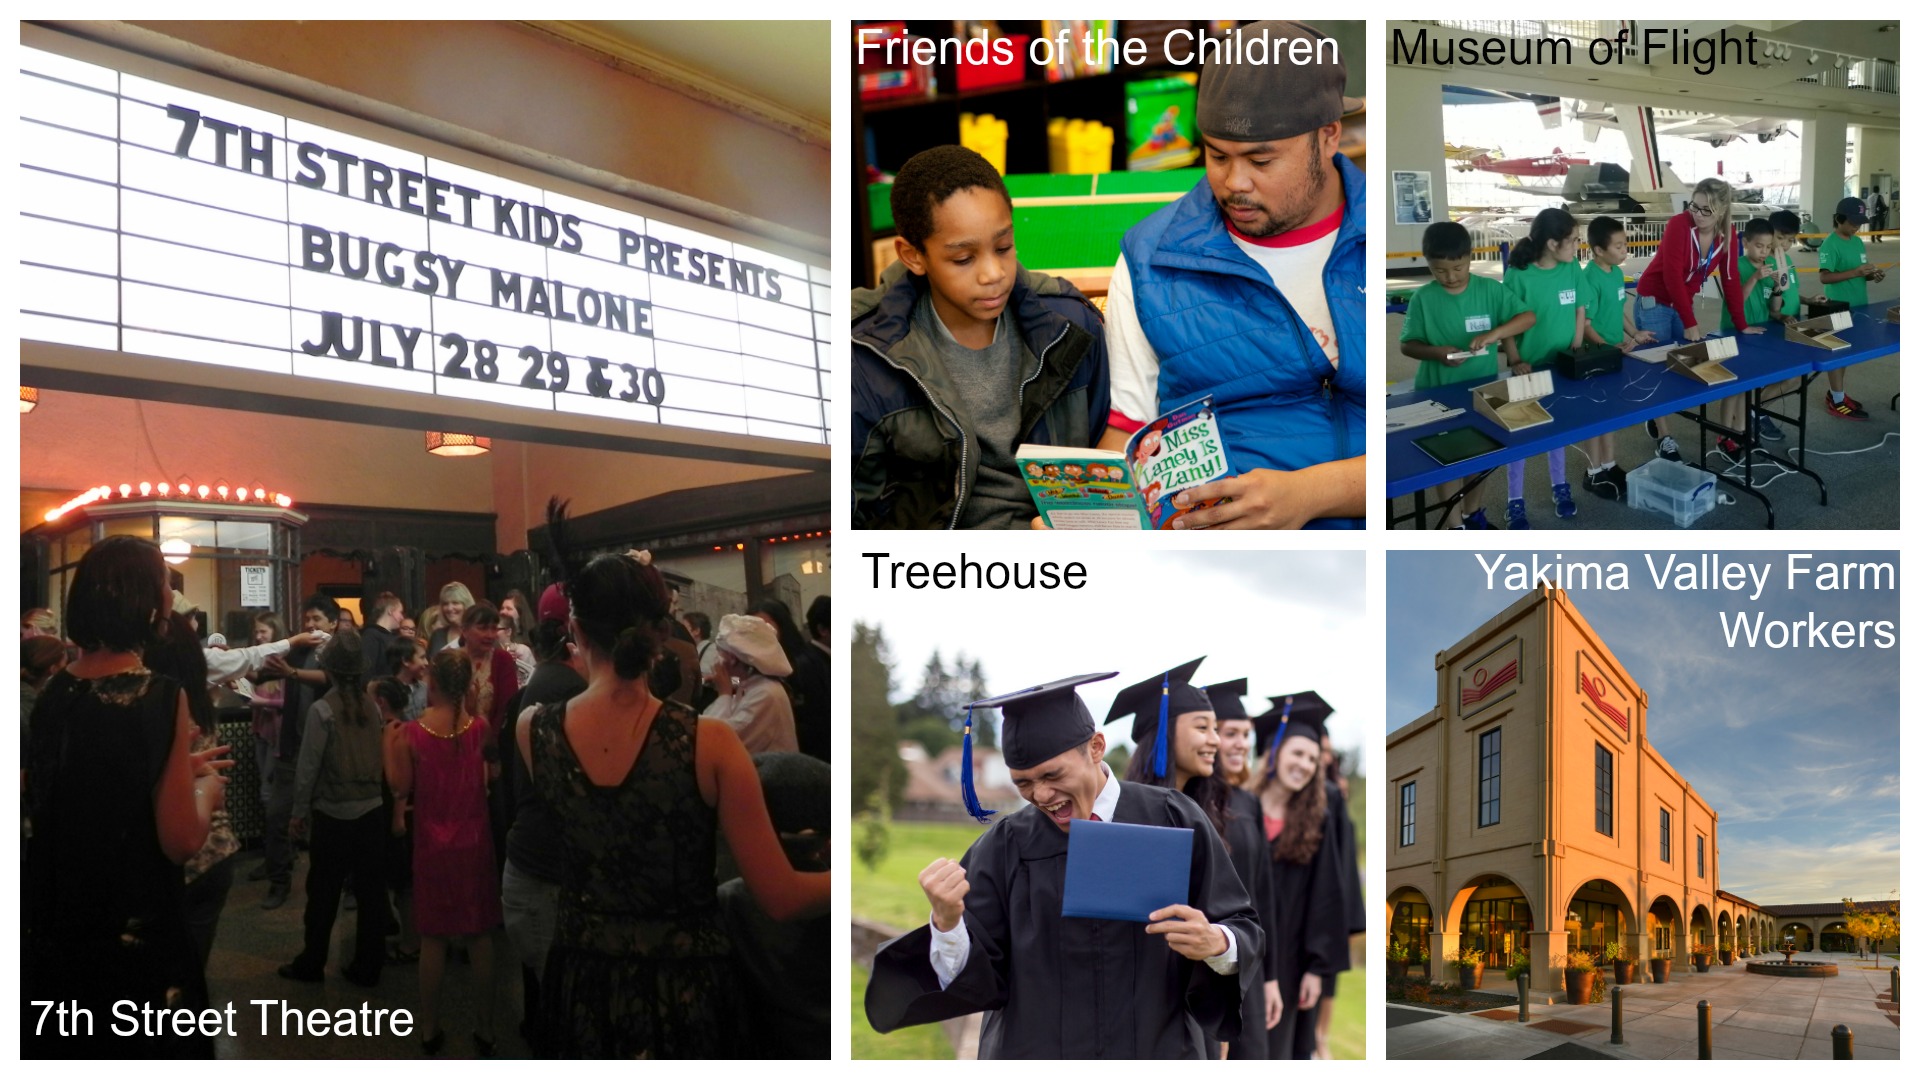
[{"x": 1796, "y": 749}]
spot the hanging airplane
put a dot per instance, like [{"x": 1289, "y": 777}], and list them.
[{"x": 1554, "y": 164}]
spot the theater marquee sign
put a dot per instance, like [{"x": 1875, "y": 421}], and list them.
[{"x": 163, "y": 222}]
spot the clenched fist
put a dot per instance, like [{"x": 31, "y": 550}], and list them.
[{"x": 945, "y": 883}]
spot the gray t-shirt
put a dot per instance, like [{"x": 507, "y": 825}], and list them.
[{"x": 988, "y": 381}]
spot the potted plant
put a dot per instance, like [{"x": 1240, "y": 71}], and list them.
[
  {"x": 1472, "y": 964},
  {"x": 1660, "y": 967},
  {"x": 1622, "y": 960},
  {"x": 1702, "y": 957},
  {"x": 1579, "y": 974},
  {"x": 1397, "y": 959},
  {"x": 1726, "y": 952},
  {"x": 1417, "y": 957}
]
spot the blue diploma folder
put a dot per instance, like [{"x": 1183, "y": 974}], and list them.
[{"x": 1126, "y": 872}]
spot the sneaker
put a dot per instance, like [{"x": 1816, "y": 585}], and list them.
[
  {"x": 1669, "y": 449},
  {"x": 1476, "y": 520},
  {"x": 1601, "y": 483},
  {"x": 1848, "y": 409},
  {"x": 1653, "y": 430},
  {"x": 1563, "y": 501},
  {"x": 1618, "y": 476},
  {"x": 1764, "y": 427},
  {"x": 276, "y": 895},
  {"x": 1731, "y": 449},
  {"x": 1517, "y": 514}
]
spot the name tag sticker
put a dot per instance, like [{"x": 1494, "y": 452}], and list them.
[
  {"x": 1566, "y": 296},
  {"x": 1623, "y": 293},
  {"x": 1479, "y": 323}
]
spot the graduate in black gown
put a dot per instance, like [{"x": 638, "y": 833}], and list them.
[
  {"x": 1307, "y": 925},
  {"x": 1247, "y": 848},
  {"x": 1057, "y": 987}
]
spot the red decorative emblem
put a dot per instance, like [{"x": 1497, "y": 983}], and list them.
[
  {"x": 1484, "y": 686},
  {"x": 1596, "y": 691}
]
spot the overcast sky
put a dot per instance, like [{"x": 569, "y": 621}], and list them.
[
  {"x": 1287, "y": 621},
  {"x": 1796, "y": 749}
]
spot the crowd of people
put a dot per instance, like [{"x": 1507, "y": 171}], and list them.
[
  {"x": 1250, "y": 959},
  {"x": 570, "y": 783}
]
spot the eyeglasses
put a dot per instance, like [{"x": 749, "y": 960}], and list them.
[{"x": 1698, "y": 209}]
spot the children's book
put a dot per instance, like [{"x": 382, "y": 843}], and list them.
[{"x": 1131, "y": 488}]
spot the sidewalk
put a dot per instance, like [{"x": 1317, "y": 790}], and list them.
[{"x": 1754, "y": 1016}]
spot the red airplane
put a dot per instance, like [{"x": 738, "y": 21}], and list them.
[{"x": 1554, "y": 165}]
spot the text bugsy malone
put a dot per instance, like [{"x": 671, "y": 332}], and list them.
[{"x": 354, "y": 338}]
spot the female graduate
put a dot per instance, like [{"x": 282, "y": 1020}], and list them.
[
  {"x": 1247, "y": 848},
  {"x": 1307, "y": 922},
  {"x": 1191, "y": 767}
]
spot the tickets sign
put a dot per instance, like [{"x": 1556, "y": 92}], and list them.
[{"x": 164, "y": 222}]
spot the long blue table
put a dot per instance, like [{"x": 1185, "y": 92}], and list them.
[{"x": 1637, "y": 393}]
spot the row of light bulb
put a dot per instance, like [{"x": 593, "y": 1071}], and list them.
[{"x": 185, "y": 489}]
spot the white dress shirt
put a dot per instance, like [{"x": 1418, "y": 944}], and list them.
[{"x": 949, "y": 949}]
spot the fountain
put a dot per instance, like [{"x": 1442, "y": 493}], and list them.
[{"x": 1791, "y": 968}]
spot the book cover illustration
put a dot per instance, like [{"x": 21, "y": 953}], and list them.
[{"x": 1133, "y": 488}]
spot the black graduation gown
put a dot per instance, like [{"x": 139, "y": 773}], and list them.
[
  {"x": 1356, "y": 906},
  {"x": 1054, "y": 987},
  {"x": 1252, "y": 861},
  {"x": 1306, "y": 933}
]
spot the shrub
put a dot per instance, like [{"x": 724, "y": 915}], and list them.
[
  {"x": 1578, "y": 961},
  {"x": 1397, "y": 951},
  {"x": 1521, "y": 964},
  {"x": 1419, "y": 991},
  {"x": 1468, "y": 957}
]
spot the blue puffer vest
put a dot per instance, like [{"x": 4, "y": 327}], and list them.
[{"x": 1220, "y": 327}]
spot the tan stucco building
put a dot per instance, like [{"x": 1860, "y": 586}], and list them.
[{"x": 1530, "y": 812}]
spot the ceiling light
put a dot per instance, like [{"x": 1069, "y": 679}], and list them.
[{"x": 448, "y": 444}]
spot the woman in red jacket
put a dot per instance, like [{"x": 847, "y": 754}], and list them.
[{"x": 1697, "y": 242}]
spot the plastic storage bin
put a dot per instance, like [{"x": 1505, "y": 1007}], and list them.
[{"x": 1670, "y": 488}]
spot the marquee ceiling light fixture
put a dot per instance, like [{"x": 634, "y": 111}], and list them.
[
  {"x": 448, "y": 444},
  {"x": 184, "y": 491}
]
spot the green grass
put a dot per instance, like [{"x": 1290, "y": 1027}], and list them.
[
  {"x": 890, "y": 893},
  {"x": 922, "y": 1043},
  {"x": 1347, "y": 1039}
]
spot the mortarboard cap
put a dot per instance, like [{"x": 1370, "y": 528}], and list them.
[
  {"x": 1036, "y": 724},
  {"x": 1152, "y": 701},
  {"x": 1303, "y": 714},
  {"x": 1226, "y": 699}
]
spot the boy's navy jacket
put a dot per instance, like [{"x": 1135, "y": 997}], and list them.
[
  {"x": 913, "y": 463},
  {"x": 1220, "y": 327}
]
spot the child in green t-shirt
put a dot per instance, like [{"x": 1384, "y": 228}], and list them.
[
  {"x": 1451, "y": 325},
  {"x": 1543, "y": 275},
  {"x": 1612, "y": 321},
  {"x": 1783, "y": 306},
  {"x": 1758, "y": 280},
  {"x": 1845, "y": 269}
]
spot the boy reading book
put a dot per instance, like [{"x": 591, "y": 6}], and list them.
[{"x": 961, "y": 355}]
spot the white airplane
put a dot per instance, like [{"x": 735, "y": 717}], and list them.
[{"x": 1711, "y": 128}]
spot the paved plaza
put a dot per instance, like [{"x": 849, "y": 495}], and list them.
[{"x": 1754, "y": 1016}]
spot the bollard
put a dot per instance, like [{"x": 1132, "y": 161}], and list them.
[
  {"x": 1842, "y": 1043},
  {"x": 1706, "y": 1031},
  {"x": 1619, "y": 1019},
  {"x": 1525, "y": 1012},
  {"x": 1896, "y": 984}
]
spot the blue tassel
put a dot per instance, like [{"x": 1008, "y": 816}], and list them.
[
  {"x": 1279, "y": 732},
  {"x": 967, "y": 794},
  {"x": 1160, "y": 741}
]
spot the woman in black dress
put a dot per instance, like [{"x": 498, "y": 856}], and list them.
[
  {"x": 641, "y": 790},
  {"x": 118, "y": 801},
  {"x": 1307, "y": 922}
]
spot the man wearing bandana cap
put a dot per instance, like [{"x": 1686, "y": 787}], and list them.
[
  {"x": 997, "y": 942},
  {"x": 1249, "y": 289}
]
